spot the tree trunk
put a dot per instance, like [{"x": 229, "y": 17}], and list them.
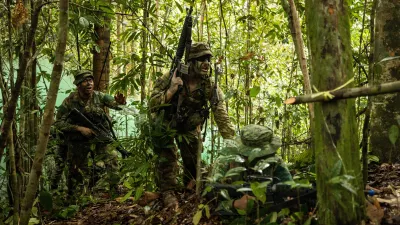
[
  {"x": 385, "y": 108},
  {"x": 144, "y": 53},
  {"x": 14, "y": 179},
  {"x": 101, "y": 60},
  {"x": 48, "y": 116},
  {"x": 339, "y": 185},
  {"x": 295, "y": 28},
  {"x": 15, "y": 92},
  {"x": 367, "y": 119}
]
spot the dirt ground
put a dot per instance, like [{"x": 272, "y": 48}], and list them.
[{"x": 382, "y": 208}]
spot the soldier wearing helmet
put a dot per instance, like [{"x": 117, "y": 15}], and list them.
[
  {"x": 80, "y": 139},
  {"x": 194, "y": 102}
]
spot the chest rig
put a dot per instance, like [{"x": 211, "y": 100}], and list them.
[
  {"x": 93, "y": 109},
  {"x": 192, "y": 108}
]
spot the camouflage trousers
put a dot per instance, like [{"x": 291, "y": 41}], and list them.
[
  {"x": 104, "y": 160},
  {"x": 60, "y": 160},
  {"x": 167, "y": 165}
]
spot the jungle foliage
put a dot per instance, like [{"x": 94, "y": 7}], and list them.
[{"x": 251, "y": 42}]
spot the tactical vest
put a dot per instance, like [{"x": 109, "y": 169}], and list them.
[
  {"x": 93, "y": 110},
  {"x": 193, "y": 108}
]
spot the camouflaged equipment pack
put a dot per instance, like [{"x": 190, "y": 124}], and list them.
[
  {"x": 81, "y": 75},
  {"x": 258, "y": 141},
  {"x": 199, "y": 49}
]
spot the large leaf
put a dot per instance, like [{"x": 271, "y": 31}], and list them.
[
  {"x": 225, "y": 194},
  {"x": 235, "y": 171},
  {"x": 393, "y": 134},
  {"x": 254, "y": 91},
  {"x": 197, "y": 217},
  {"x": 259, "y": 192}
]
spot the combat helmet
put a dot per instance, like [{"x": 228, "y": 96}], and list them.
[
  {"x": 257, "y": 141},
  {"x": 199, "y": 49},
  {"x": 81, "y": 75}
]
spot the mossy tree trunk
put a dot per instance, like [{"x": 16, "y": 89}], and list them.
[
  {"x": 386, "y": 108},
  {"x": 48, "y": 115},
  {"x": 101, "y": 59},
  {"x": 339, "y": 184}
]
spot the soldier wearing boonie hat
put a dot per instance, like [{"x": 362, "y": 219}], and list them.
[
  {"x": 195, "y": 102},
  {"x": 81, "y": 75}
]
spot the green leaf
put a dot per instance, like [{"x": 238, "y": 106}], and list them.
[
  {"x": 46, "y": 200},
  {"x": 308, "y": 221},
  {"x": 33, "y": 221},
  {"x": 254, "y": 91},
  {"x": 284, "y": 212},
  {"x": 126, "y": 196},
  {"x": 197, "y": 217},
  {"x": 207, "y": 209},
  {"x": 337, "y": 168},
  {"x": 393, "y": 134},
  {"x": 259, "y": 192},
  {"x": 84, "y": 22},
  {"x": 348, "y": 186},
  {"x": 139, "y": 192},
  {"x": 97, "y": 48},
  {"x": 373, "y": 158},
  {"x": 127, "y": 184},
  {"x": 35, "y": 211},
  {"x": 179, "y": 6},
  {"x": 225, "y": 194},
  {"x": 274, "y": 217},
  {"x": 235, "y": 171}
]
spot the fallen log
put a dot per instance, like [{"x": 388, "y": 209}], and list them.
[{"x": 345, "y": 93}]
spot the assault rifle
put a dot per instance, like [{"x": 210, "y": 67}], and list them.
[
  {"x": 185, "y": 41},
  {"x": 278, "y": 196},
  {"x": 102, "y": 133}
]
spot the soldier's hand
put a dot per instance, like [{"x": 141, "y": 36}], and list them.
[
  {"x": 242, "y": 202},
  {"x": 87, "y": 132},
  {"x": 120, "y": 98},
  {"x": 175, "y": 82}
]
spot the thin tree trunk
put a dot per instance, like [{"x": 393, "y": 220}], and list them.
[
  {"x": 366, "y": 125},
  {"x": 295, "y": 28},
  {"x": 14, "y": 179},
  {"x": 144, "y": 53},
  {"x": 36, "y": 171},
  {"x": 12, "y": 103},
  {"x": 336, "y": 142}
]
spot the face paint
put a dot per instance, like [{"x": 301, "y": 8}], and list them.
[{"x": 201, "y": 67}]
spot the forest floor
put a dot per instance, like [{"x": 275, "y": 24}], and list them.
[{"x": 382, "y": 208}]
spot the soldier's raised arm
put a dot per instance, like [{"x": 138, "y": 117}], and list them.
[{"x": 221, "y": 117}]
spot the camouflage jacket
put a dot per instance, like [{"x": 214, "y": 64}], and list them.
[
  {"x": 193, "y": 108},
  {"x": 93, "y": 109}
]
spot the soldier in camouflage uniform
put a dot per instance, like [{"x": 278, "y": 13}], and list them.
[
  {"x": 82, "y": 140},
  {"x": 193, "y": 102},
  {"x": 60, "y": 150},
  {"x": 254, "y": 150}
]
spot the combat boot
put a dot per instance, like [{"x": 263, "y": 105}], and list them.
[{"x": 170, "y": 201}]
